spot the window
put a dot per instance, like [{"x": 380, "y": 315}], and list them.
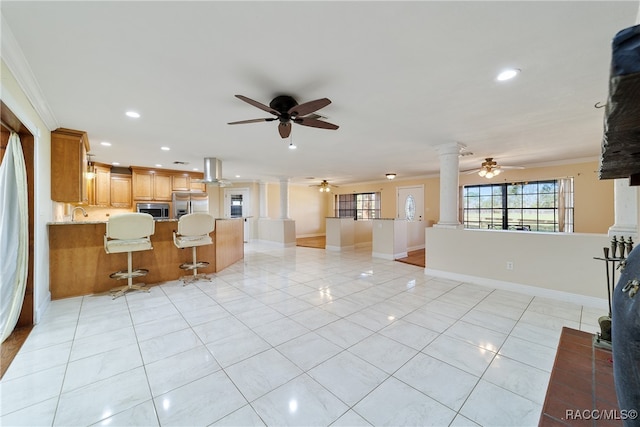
[
  {"x": 532, "y": 206},
  {"x": 358, "y": 206}
]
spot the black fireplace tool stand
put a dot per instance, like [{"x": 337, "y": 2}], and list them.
[{"x": 619, "y": 247}]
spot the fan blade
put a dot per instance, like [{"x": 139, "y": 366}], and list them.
[
  {"x": 258, "y": 105},
  {"x": 284, "y": 129},
  {"x": 469, "y": 172},
  {"x": 510, "y": 167},
  {"x": 314, "y": 123},
  {"x": 308, "y": 107},
  {"x": 268, "y": 119}
]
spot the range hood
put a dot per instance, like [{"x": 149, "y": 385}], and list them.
[{"x": 212, "y": 170}]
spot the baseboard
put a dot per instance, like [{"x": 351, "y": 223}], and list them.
[
  {"x": 524, "y": 289},
  {"x": 390, "y": 257},
  {"x": 339, "y": 248},
  {"x": 302, "y": 236}
]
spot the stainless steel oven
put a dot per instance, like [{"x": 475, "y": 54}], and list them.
[{"x": 156, "y": 210}]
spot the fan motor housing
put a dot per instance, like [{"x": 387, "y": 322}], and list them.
[{"x": 283, "y": 103}]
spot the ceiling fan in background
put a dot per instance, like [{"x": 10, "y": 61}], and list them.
[
  {"x": 490, "y": 168},
  {"x": 324, "y": 186},
  {"x": 287, "y": 110}
]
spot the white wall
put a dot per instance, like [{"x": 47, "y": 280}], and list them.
[{"x": 556, "y": 265}]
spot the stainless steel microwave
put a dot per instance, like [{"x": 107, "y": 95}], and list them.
[{"x": 156, "y": 210}]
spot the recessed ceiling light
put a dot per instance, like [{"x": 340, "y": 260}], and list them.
[
  {"x": 133, "y": 114},
  {"x": 115, "y": 163},
  {"x": 237, "y": 176},
  {"x": 158, "y": 166},
  {"x": 507, "y": 74},
  {"x": 195, "y": 169},
  {"x": 105, "y": 143},
  {"x": 165, "y": 148}
]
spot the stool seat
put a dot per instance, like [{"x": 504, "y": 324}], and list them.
[
  {"x": 133, "y": 245},
  {"x": 193, "y": 231},
  {"x": 190, "y": 241},
  {"x": 128, "y": 233}
]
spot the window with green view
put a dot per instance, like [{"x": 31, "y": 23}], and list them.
[{"x": 531, "y": 206}]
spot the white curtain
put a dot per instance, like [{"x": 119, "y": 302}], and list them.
[
  {"x": 565, "y": 206},
  {"x": 14, "y": 229}
]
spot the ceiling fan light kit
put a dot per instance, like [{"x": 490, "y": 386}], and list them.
[
  {"x": 490, "y": 168},
  {"x": 287, "y": 110},
  {"x": 323, "y": 187}
]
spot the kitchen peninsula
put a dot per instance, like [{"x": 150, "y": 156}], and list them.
[{"x": 79, "y": 264}]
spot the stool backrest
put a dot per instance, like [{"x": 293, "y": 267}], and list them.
[
  {"x": 130, "y": 226},
  {"x": 196, "y": 224}
]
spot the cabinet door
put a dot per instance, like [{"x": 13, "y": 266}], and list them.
[
  {"x": 69, "y": 166},
  {"x": 102, "y": 186},
  {"x": 162, "y": 187},
  {"x": 120, "y": 191},
  {"x": 180, "y": 182},
  {"x": 198, "y": 186},
  {"x": 142, "y": 186}
]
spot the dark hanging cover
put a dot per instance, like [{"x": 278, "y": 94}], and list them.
[{"x": 626, "y": 52}]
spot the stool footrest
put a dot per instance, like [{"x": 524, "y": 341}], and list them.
[
  {"x": 121, "y": 290},
  {"x": 123, "y": 274},
  {"x": 192, "y": 266},
  {"x": 195, "y": 278}
]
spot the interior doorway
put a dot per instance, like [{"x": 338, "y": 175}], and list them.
[
  {"x": 410, "y": 207},
  {"x": 10, "y": 122}
]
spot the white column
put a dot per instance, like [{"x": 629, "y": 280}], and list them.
[
  {"x": 263, "y": 200},
  {"x": 625, "y": 201},
  {"x": 449, "y": 196},
  {"x": 284, "y": 198}
]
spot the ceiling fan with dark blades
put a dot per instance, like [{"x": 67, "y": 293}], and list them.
[{"x": 287, "y": 110}]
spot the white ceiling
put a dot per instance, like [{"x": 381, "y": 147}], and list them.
[{"x": 403, "y": 77}]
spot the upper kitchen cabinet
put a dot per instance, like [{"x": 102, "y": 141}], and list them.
[
  {"x": 150, "y": 184},
  {"x": 120, "y": 190},
  {"x": 196, "y": 185},
  {"x": 181, "y": 182},
  {"x": 69, "y": 166},
  {"x": 101, "y": 185}
]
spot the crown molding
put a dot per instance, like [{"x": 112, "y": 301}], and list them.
[{"x": 14, "y": 58}]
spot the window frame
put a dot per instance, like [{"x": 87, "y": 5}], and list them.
[
  {"x": 522, "y": 206},
  {"x": 359, "y": 206}
]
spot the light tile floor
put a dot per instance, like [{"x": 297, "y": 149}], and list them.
[{"x": 294, "y": 336}]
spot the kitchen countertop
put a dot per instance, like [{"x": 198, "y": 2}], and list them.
[
  {"x": 104, "y": 222},
  {"x": 98, "y": 222}
]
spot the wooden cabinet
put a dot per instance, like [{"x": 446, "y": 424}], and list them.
[
  {"x": 188, "y": 181},
  {"x": 162, "y": 187},
  {"x": 101, "y": 185},
  {"x": 120, "y": 191},
  {"x": 198, "y": 186},
  {"x": 181, "y": 182},
  {"x": 69, "y": 166},
  {"x": 149, "y": 184}
]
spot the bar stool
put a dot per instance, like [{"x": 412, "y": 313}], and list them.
[
  {"x": 129, "y": 232},
  {"x": 193, "y": 231}
]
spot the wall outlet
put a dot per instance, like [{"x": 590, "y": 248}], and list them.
[{"x": 509, "y": 265}]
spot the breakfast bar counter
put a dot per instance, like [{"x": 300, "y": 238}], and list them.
[{"x": 79, "y": 264}]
